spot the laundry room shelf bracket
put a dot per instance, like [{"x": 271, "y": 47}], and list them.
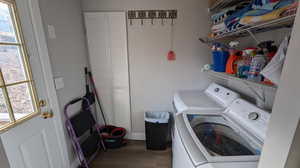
[
  {"x": 221, "y": 4},
  {"x": 253, "y": 36}
]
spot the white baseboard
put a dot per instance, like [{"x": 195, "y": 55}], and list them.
[{"x": 136, "y": 136}]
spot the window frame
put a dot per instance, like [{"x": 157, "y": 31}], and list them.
[{"x": 29, "y": 81}]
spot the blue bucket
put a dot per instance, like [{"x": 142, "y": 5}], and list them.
[{"x": 220, "y": 60}]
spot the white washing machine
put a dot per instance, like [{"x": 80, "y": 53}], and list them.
[
  {"x": 215, "y": 97},
  {"x": 232, "y": 138}
]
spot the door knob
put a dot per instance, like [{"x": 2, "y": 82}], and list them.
[
  {"x": 47, "y": 115},
  {"x": 42, "y": 103}
]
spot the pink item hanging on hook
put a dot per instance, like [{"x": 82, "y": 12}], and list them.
[{"x": 171, "y": 56}]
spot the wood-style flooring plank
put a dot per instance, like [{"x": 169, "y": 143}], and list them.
[{"x": 133, "y": 155}]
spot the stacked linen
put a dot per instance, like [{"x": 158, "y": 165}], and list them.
[
  {"x": 291, "y": 9},
  {"x": 218, "y": 19},
  {"x": 250, "y": 12},
  {"x": 268, "y": 11},
  {"x": 221, "y": 27},
  {"x": 220, "y": 16}
]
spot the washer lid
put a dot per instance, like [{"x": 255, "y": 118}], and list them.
[
  {"x": 195, "y": 100},
  {"x": 215, "y": 97},
  {"x": 250, "y": 117}
]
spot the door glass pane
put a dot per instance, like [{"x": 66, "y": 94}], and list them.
[
  {"x": 7, "y": 32},
  {"x": 21, "y": 101},
  {"x": 4, "y": 116},
  {"x": 11, "y": 64}
]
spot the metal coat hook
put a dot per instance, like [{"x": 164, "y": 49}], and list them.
[
  {"x": 142, "y": 15},
  {"x": 131, "y": 15},
  {"x": 152, "y": 14},
  {"x": 162, "y": 15},
  {"x": 172, "y": 15}
]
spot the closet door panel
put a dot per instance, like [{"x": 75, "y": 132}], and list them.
[
  {"x": 118, "y": 43},
  {"x": 100, "y": 61},
  {"x": 107, "y": 44}
]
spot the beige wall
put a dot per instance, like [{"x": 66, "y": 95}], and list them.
[
  {"x": 153, "y": 79},
  {"x": 67, "y": 52}
]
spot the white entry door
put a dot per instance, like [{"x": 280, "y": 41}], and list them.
[
  {"x": 107, "y": 45},
  {"x": 30, "y": 142}
]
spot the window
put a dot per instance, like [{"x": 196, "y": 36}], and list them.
[{"x": 18, "y": 100}]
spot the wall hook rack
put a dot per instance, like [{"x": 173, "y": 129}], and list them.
[{"x": 152, "y": 14}]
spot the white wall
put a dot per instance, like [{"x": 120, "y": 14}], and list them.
[
  {"x": 153, "y": 79},
  {"x": 281, "y": 147},
  {"x": 68, "y": 52}
]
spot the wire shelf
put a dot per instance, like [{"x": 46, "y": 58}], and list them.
[
  {"x": 283, "y": 22},
  {"x": 221, "y": 4}
]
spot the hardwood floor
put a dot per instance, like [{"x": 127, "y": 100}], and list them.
[{"x": 133, "y": 155}]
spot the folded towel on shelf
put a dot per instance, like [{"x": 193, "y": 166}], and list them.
[
  {"x": 222, "y": 15},
  {"x": 233, "y": 20},
  {"x": 249, "y": 12},
  {"x": 263, "y": 18},
  {"x": 262, "y": 15},
  {"x": 291, "y": 9},
  {"x": 284, "y": 3},
  {"x": 264, "y": 4},
  {"x": 218, "y": 27},
  {"x": 257, "y": 11}
]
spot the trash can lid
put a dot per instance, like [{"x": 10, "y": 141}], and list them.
[{"x": 157, "y": 116}]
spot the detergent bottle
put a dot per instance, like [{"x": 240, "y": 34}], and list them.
[
  {"x": 257, "y": 64},
  {"x": 235, "y": 55},
  {"x": 243, "y": 65}
]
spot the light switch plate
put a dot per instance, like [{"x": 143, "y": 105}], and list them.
[
  {"x": 51, "y": 32},
  {"x": 59, "y": 83}
]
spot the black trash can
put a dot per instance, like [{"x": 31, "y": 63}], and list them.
[{"x": 157, "y": 130}]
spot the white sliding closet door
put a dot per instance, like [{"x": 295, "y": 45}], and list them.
[{"x": 107, "y": 44}]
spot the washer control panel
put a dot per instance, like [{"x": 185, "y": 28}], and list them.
[
  {"x": 221, "y": 94},
  {"x": 253, "y": 116},
  {"x": 250, "y": 117}
]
